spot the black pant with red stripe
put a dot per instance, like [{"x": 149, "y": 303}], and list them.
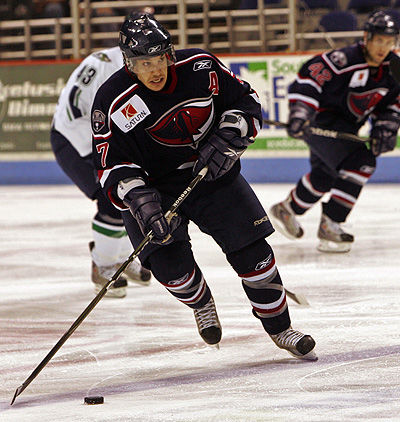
[
  {"x": 339, "y": 167},
  {"x": 234, "y": 217}
]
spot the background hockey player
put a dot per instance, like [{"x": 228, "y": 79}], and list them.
[
  {"x": 156, "y": 123},
  {"x": 71, "y": 140},
  {"x": 340, "y": 90}
]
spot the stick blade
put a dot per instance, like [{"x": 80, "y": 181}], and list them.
[
  {"x": 18, "y": 391},
  {"x": 394, "y": 66},
  {"x": 298, "y": 298}
]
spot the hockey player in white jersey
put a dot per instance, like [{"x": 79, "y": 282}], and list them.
[{"x": 71, "y": 141}]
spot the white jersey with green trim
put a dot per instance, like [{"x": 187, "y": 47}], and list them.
[{"x": 72, "y": 115}]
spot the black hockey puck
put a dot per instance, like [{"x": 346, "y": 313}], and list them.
[{"x": 94, "y": 400}]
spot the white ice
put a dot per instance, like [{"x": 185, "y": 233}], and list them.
[{"x": 143, "y": 352}]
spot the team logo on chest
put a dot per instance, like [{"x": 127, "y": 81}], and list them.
[
  {"x": 130, "y": 114},
  {"x": 363, "y": 103},
  {"x": 184, "y": 125},
  {"x": 359, "y": 78}
]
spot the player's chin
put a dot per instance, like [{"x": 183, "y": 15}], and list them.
[{"x": 157, "y": 85}]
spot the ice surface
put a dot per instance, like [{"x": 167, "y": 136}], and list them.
[{"x": 143, "y": 352}]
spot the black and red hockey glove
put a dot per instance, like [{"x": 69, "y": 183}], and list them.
[
  {"x": 145, "y": 205},
  {"x": 384, "y": 134},
  {"x": 299, "y": 115},
  {"x": 222, "y": 150}
]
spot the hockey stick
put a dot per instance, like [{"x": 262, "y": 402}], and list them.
[
  {"x": 168, "y": 215},
  {"x": 327, "y": 133},
  {"x": 298, "y": 298}
]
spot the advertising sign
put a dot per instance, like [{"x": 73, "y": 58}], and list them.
[
  {"x": 270, "y": 76},
  {"x": 28, "y": 96}
]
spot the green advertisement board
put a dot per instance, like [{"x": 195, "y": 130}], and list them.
[{"x": 28, "y": 96}]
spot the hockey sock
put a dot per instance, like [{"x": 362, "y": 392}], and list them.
[
  {"x": 108, "y": 240},
  {"x": 353, "y": 176},
  {"x": 309, "y": 190},
  {"x": 175, "y": 268},
  {"x": 262, "y": 284},
  {"x": 126, "y": 247}
]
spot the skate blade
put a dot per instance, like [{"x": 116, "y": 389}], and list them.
[
  {"x": 311, "y": 355},
  {"x": 328, "y": 246}
]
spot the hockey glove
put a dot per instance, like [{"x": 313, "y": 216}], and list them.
[
  {"x": 145, "y": 205},
  {"x": 220, "y": 153},
  {"x": 384, "y": 135},
  {"x": 299, "y": 114}
]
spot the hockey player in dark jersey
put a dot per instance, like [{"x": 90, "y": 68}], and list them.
[
  {"x": 340, "y": 90},
  {"x": 156, "y": 123}
]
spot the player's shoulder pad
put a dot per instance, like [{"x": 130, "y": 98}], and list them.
[
  {"x": 344, "y": 58},
  {"x": 110, "y": 55},
  {"x": 200, "y": 59}
]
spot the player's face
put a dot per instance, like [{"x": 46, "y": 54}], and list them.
[
  {"x": 378, "y": 47},
  {"x": 152, "y": 71}
]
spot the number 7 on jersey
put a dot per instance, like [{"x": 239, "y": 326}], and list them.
[{"x": 102, "y": 149}]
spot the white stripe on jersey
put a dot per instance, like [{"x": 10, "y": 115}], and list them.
[
  {"x": 106, "y": 173},
  {"x": 307, "y": 81},
  {"x": 304, "y": 98},
  {"x": 195, "y": 57}
]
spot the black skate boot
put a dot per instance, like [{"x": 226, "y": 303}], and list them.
[
  {"x": 208, "y": 323},
  {"x": 296, "y": 343}
]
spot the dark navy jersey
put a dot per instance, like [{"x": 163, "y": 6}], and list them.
[
  {"x": 139, "y": 132},
  {"x": 344, "y": 89}
]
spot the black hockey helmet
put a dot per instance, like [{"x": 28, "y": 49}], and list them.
[
  {"x": 381, "y": 23},
  {"x": 142, "y": 36}
]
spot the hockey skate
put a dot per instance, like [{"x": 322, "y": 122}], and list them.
[
  {"x": 208, "y": 323},
  {"x": 284, "y": 220},
  {"x": 137, "y": 274},
  {"x": 296, "y": 343},
  {"x": 102, "y": 274},
  {"x": 332, "y": 238}
]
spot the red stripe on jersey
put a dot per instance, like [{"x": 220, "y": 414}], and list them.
[{"x": 116, "y": 202}]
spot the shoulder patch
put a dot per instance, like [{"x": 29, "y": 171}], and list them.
[
  {"x": 202, "y": 64},
  {"x": 98, "y": 120},
  {"x": 338, "y": 58},
  {"x": 130, "y": 114},
  {"x": 102, "y": 57}
]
